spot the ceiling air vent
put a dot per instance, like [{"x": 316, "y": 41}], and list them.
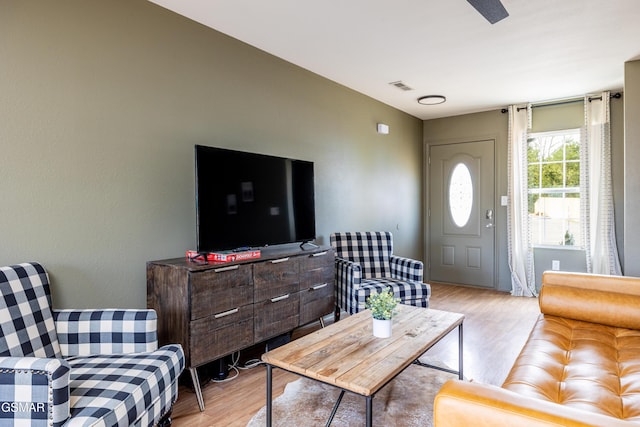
[{"x": 400, "y": 85}]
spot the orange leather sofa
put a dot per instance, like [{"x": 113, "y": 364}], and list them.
[{"x": 579, "y": 367}]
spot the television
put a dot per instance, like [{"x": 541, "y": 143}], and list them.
[{"x": 247, "y": 200}]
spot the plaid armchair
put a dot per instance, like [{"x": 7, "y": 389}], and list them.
[
  {"x": 365, "y": 264},
  {"x": 79, "y": 367}
]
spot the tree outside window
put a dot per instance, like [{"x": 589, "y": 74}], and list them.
[{"x": 554, "y": 188}]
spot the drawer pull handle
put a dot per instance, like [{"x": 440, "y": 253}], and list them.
[
  {"x": 226, "y": 313},
  {"x": 230, "y": 268},
  {"x": 316, "y": 287},
  {"x": 283, "y": 297},
  {"x": 277, "y": 261},
  {"x": 319, "y": 254}
]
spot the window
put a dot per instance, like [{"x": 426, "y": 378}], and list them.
[
  {"x": 460, "y": 195},
  {"x": 554, "y": 188}
]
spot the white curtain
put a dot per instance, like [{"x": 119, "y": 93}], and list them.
[
  {"x": 520, "y": 250},
  {"x": 596, "y": 189}
]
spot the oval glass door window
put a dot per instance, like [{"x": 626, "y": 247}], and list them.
[{"x": 460, "y": 194}]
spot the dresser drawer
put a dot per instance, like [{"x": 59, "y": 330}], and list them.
[
  {"x": 316, "y": 301},
  {"x": 221, "y": 334},
  {"x": 276, "y": 316},
  {"x": 318, "y": 260},
  {"x": 275, "y": 278},
  {"x": 315, "y": 277},
  {"x": 220, "y": 289},
  {"x": 316, "y": 269}
]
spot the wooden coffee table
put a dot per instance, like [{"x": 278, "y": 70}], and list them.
[{"x": 347, "y": 355}]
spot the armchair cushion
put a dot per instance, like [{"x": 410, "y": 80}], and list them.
[
  {"x": 114, "y": 390},
  {"x": 411, "y": 293},
  {"x": 110, "y": 331},
  {"x": 26, "y": 322}
]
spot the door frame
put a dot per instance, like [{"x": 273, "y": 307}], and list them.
[{"x": 426, "y": 154}]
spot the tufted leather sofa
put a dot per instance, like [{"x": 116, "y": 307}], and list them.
[{"x": 579, "y": 367}]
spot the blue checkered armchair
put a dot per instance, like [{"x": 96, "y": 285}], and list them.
[
  {"x": 79, "y": 367},
  {"x": 365, "y": 264}
]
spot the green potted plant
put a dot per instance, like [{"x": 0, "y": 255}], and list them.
[{"x": 383, "y": 307}]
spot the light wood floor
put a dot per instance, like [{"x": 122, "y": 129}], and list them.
[{"x": 495, "y": 328}]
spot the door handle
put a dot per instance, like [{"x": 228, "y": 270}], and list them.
[{"x": 489, "y": 216}]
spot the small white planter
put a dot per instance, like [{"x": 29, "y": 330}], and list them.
[{"x": 382, "y": 328}]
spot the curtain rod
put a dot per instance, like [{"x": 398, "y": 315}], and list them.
[{"x": 616, "y": 95}]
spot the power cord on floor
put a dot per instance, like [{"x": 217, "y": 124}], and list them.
[
  {"x": 235, "y": 359},
  {"x": 250, "y": 364}
]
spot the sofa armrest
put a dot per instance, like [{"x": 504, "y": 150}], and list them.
[
  {"x": 406, "y": 268},
  {"x": 462, "y": 404},
  {"x": 34, "y": 390},
  {"x": 607, "y": 300},
  {"x": 110, "y": 331}
]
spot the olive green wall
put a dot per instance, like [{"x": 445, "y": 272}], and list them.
[
  {"x": 494, "y": 125},
  {"x": 102, "y": 102}
]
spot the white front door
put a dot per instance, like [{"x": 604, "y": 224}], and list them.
[{"x": 462, "y": 213}]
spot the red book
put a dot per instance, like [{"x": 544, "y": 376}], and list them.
[{"x": 221, "y": 257}]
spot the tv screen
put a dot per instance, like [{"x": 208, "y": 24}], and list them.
[{"x": 248, "y": 200}]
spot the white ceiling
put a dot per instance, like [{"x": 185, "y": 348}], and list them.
[{"x": 545, "y": 50}]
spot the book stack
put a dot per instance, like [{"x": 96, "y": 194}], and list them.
[{"x": 222, "y": 256}]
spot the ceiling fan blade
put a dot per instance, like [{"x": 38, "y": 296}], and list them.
[{"x": 492, "y": 10}]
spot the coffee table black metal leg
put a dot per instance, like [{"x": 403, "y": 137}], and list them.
[
  {"x": 269, "y": 373},
  {"x": 335, "y": 409},
  {"x": 460, "y": 353},
  {"x": 369, "y": 411}
]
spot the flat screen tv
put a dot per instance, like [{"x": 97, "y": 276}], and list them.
[{"x": 247, "y": 200}]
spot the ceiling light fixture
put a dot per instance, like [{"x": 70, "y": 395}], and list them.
[{"x": 431, "y": 99}]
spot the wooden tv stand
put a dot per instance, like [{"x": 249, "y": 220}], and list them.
[{"x": 213, "y": 310}]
